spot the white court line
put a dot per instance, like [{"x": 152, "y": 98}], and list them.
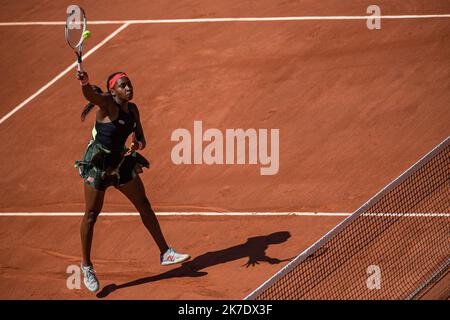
[
  {"x": 290, "y": 213},
  {"x": 59, "y": 76},
  {"x": 121, "y": 214},
  {"x": 212, "y": 20}
]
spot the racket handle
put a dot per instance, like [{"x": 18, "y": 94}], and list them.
[{"x": 80, "y": 67}]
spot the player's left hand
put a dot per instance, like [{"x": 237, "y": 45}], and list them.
[
  {"x": 128, "y": 152},
  {"x": 134, "y": 146}
]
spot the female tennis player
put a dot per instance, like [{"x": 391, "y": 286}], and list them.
[{"x": 107, "y": 162}]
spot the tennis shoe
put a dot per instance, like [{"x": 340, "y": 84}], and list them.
[
  {"x": 90, "y": 279},
  {"x": 173, "y": 257}
]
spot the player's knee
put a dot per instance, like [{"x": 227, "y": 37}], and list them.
[
  {"x": 91, "y": 216},
  {"x": 144, "y": 206},
  {"x": 147, "y": 203},
  {"x": 143, "y": 203}
]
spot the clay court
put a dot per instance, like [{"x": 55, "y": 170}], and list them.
[{"x": 354, "y": 108}]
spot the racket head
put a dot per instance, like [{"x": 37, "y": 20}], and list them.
[{"x": 75, "y": 26}]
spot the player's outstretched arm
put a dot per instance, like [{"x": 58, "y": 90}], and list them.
[{"x": 89, "y": 93}]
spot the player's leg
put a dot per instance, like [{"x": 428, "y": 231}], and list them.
[
  {"x": 134, "y": 190},
  {"x": 93, "y": 205}
]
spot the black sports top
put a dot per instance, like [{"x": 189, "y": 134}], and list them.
[{"x": 113, "y": 135}]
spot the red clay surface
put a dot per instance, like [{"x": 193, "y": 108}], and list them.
[
  {"x": 354, "y": 107},
  {"x": 29, "y": 64},
  {"x": 36, "y": 252}
]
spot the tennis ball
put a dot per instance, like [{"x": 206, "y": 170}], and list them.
[{"x": 86, "y": 34}]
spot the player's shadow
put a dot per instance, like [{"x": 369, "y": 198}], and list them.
[{"x": 254, "y": 249}]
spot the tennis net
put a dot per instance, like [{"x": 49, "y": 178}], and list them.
[{"x": 395, "y": 246}]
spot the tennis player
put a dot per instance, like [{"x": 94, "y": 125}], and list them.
[{"x": 107, "y": 162}]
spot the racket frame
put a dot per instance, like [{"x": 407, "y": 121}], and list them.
[{"x": 78, "y": 49}]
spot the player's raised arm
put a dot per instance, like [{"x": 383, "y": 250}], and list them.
[{"x": 89, "y": 93}]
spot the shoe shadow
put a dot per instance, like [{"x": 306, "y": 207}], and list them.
[{"x": 255, "y": 249}]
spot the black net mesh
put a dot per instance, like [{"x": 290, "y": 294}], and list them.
[{"x": 393, "y": 248}]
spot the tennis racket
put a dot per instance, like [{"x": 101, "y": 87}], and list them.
[{"x": 75, "y": 27}]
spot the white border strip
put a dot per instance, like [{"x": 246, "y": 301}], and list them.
[
  {"x": 309, "y": 251},
  {"x": 59, "y": 76},
  {"x": 425, "y": 215},
  {"x": 194, "y": 213},
  {"x": 212, "y": 20},
  {"x": 123, "y": 214}
]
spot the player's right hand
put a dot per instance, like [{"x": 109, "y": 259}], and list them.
[{"x": 82, "y": 76}]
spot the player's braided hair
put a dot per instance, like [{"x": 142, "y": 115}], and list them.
[{"x": 87, "y": 108}]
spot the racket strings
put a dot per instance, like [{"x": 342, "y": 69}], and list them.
[{"x": 75, "y": 26}]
